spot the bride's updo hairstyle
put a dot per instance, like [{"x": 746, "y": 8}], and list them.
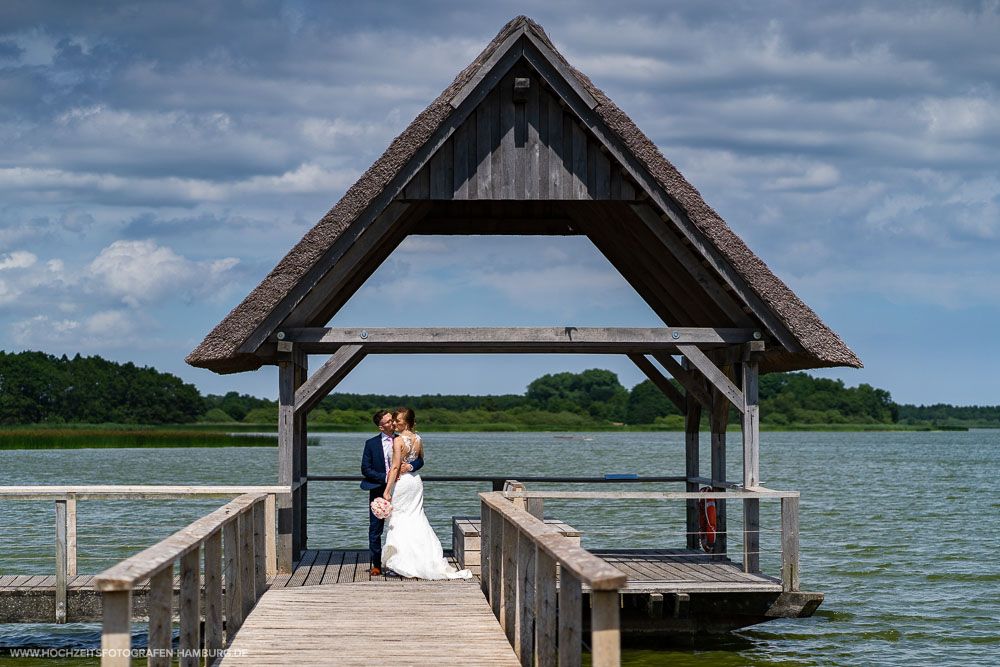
[{"x": 406, "y": 414}]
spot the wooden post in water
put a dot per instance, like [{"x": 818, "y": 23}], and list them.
[
  {"x": 159, "y": 640},
  {"x": 692, "y": 464},
  {"x": 790, "y": 544},
  {"x": 718, "y": 421},
  {"x": 71, "y": 535},
  {"x": 751, "y": 465},
  {"x": 60, "y": 600}
]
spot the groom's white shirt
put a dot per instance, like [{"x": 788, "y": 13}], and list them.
[{"x": 387, "y": 453}]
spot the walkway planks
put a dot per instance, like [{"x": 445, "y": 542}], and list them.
[{"x": 383, "y": 622}]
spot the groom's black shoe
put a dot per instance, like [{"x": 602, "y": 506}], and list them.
[{"x": 375, "y": 572}]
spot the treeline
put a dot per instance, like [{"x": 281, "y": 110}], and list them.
[
  {"x": 36, "y": 387},
  {"x": 40, "y": 388}
]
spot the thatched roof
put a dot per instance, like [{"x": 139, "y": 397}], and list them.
[{"x": 225, "y": 349}]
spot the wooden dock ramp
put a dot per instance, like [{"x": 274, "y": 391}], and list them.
[{"x": 384, "y": 622}]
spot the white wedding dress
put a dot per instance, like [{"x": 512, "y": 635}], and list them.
[{"x": 411, "y": 547}]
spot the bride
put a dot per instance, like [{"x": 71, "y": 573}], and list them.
[{"x": 411, "y": 547}]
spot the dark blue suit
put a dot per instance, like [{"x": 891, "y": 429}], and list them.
[{"x": 373, "y": 469}]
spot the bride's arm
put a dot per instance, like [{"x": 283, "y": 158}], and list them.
[{"x": 397, "y": 460}]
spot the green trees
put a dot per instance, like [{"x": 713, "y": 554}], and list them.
[
  {"x": 596, "y": 392},
  {"x": 646, "y": 402},
  {"x": 40, "y": 388},
  {"x": 36, "y": 387}
]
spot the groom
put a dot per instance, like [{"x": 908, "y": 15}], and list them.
[{"x": 375, "y": 465}]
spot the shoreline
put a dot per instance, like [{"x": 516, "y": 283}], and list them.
[{"x": 105, "y": 436}]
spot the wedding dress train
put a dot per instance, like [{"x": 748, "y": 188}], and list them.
[{"x": 412, "y": 549}]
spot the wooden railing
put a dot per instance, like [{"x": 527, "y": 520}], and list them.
[
  {"x": 751, "y": 540},
  {"x": 66, "y": 497},
  {"x": 237, "y": 529},
  {"x": 520, "y": 555}
]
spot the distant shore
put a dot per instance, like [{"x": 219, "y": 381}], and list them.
[{"x": 90, "y": 436}]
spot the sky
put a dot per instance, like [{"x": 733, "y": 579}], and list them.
[{"x": 158, "y": 158}]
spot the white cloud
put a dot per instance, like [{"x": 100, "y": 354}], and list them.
[
  {"x": 142, "y": 272},
  {"x": 19, "y": 259}
]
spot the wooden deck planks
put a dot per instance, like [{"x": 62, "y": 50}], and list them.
[{"x": 348, "y": 623}]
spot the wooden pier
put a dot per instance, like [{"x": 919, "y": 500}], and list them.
[{"x": 358, "y": 623}]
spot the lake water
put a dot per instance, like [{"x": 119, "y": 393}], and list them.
[{"x": 898, "y": 530}]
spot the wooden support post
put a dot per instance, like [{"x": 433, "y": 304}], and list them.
[
  {"x": 247, "y": 579},
  {"x": 160, "y": 638},
  {"x": 484, "y": 548},
  {"x": 289, "y": 445},
  {"x": 496, "y": 564},
  {"x": 60, "y": 601},
  {"x": 71, "y": 535},
  {"x": 718, "y": 422},
  {"x": 508, "y": 619},
  {"x": 301, "y": 472},
  {"x": 234, "y": 587},
  {"x": 270, "y": 507},
  {"x": 692, "y": 464},
  {"x": 605, "y": 633},
  {"x": 116, "y": 630},
  {"x": 750, "y": 421},
  {"x": 545, "y": 609},
  {"x": 570, "y": 619},
  {"x": 525, "y": 636},
  {"x": 190, "y": 613},
  {"x": 259, "y": 529},
  {"x": 213, "y": 597},
  {"x": 790, "y": 544}
]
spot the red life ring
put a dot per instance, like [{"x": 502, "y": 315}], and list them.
[{"x": 707, "y": 522}]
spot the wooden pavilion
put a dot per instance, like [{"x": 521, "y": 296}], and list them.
[{"x": 521, "y": 143}]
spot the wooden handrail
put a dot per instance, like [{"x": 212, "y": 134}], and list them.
[
  {"x": 129, "y": 572},
  {"x": 130, "y": 492},
  {"x": 240, "y": 527},
  {"x": 591, "y": 570},
  {"x": 757, "y": 492},
  {"x": 789, "y": 517},
  {"x": 520, "y": 555},
  {"x": 66, "y": 497}
]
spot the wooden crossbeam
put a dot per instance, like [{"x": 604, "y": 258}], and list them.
[
  {"x": 714, "y": 375},
  {"x": 606, "y": 340}
]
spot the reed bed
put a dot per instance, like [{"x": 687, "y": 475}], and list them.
[{"x": 71, "y": 438}]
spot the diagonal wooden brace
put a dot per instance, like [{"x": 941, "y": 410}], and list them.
[
  {"x": 328, "y": 376},
  {"x": 714, "y": 375},
  {"x": 657, "y": 378},
  {"x": 692, "y": 385}
]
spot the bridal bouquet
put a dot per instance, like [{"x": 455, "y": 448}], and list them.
[{"x": 381, "y": 507}]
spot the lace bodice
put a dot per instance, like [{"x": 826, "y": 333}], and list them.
[{"x": 410, "y": 442}]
